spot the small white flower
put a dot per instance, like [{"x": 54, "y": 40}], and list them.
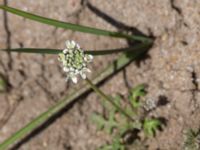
[
  {"x": 86, "y": 70},
  {"x": 65, "y": 51},
  {"x": 74, "y": 61},
  {"x": 83, "y": 75},
  {"x": 88, "y": 58},
  {"x": 65, "y": 69},
  {"x": 74, "y": 79},
  {"x": 149, "y": 104}
]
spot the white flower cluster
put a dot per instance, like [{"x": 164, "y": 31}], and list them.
[
  {"x": 74, "y": 61},
  {"x": 149, "y": 104}
]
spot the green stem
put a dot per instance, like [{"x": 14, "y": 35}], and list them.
[{"x": 104, "y": 96}]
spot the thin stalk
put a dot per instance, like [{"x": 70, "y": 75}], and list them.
[{"x": 107, "y": 98}]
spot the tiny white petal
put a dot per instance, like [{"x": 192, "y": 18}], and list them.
[
  {"x": 83, "y": 75},
  {"x": 65, "y": 51},
  {"x": 70, "y": 51},
  {"x": 90, "y": 57},
  {"x": 71, "y": 69},
  {"x": 74, "y": 79},
  {"x": 67, "y": 43},
  {"x": 64, "y": 63},
  {"x": 87, "y": 70},
  {"x": 73, "y": 43},
  {"x": 77, "y": 46},
  {"x": 65, "y": 69},
  {"x": 85, "y": 58},
  {"x": 76, "y": 72},
  {"x": 84, "y": 64}
]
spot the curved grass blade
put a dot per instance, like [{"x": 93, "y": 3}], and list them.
[
  {"x": 56, "y": 51},
  {"x": 118, "y": 64},
  {"x": 74, "y": 27}
]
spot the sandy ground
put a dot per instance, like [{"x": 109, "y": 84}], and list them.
[{"x": 37, "y": 82}]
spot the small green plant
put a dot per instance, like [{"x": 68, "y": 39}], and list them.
[
  {"x": 123, "y": 130},
  {"x": 192, "y": 140}
]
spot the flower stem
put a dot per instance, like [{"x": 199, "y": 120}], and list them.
[{"x": 104, "y": 96}]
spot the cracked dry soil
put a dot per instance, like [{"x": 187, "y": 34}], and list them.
[{"x": 36, "y": 81}]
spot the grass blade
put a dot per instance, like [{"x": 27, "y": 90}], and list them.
[
  {"x": 56, "y": 51},
  {"x": 118, "y": 64},
  {"x": 73, "y": 27},
  {"x": 33, "y": 50}
]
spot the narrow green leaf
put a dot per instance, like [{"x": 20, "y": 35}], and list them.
[
  {"x": 73, "y": 27},
  {"x": 33, "y": 50},
  {"x": 92, "y": 52},
  {"x": 121, "y": 62}
]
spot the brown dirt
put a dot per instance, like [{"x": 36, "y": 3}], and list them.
[{"x": 37, "y": 82}]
